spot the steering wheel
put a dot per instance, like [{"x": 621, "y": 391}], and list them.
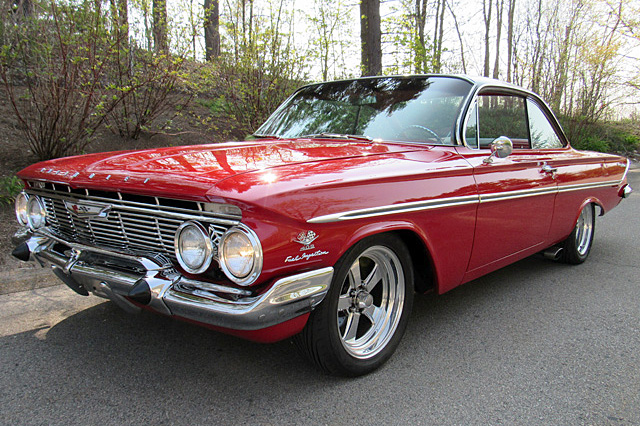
[{"x": 423, "y": 128}]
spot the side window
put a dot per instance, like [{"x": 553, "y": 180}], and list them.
[
  {"x": 471, "y": 129},
  {"x": 543, "y": 136},
  {"x": 503, "y": 115}
]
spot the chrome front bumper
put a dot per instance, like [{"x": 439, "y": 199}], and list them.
[{"x": 152, "y": 280}]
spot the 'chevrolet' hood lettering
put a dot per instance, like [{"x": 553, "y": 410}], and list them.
[{"x": 193, "y": 170}]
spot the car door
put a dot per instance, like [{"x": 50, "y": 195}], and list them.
[{"x": 517, "y": 193}]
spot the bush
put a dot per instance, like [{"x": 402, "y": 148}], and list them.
[
  {"x": 252, "y": 92},
  {"x": 10, "y": 186},
  {"x": 60, "y": 55},
  {"x": 631, "y": 142},
  {"x": 67, "y": 71},
  {"x": 603, "y": 136},
  {"x": 143, "y": 82},
  {"x": 592, "y": 143}
]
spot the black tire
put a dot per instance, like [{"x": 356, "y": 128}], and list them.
[
  {"x": 577, "y": 246},
  {"x": 358, "y": 326}
]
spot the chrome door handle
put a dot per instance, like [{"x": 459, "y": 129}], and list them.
[{"x": 548, "y": 169}]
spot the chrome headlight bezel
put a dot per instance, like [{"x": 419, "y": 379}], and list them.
[
  {"x": 257, "y": 259},
  {"x": 207, "y": 246},
  {"x": 21, "y": 210},
  {"x": 36, "y": 214}
]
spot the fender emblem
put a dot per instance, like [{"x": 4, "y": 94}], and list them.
[
  {"x": 88, "y": 210},
  {"x": 306, "y": 239}
]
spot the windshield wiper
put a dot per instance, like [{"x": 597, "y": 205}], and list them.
[
  {"x": 255, "y": 135},
  {"x": 338, "y": 136}
]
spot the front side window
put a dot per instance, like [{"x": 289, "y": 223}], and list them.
[
  {"x": 543, "y": 136},
  {"x": 387, "y": 108},
  {"x": 502, "y": 115},
  {"x": 471, "y": 129}
]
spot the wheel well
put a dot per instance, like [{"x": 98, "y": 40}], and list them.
[{"x": 421, "y": 260}]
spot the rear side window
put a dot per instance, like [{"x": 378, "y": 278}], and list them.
[
  {"x": 503, "y": 115},
  {"x": 543, "y": 135}
]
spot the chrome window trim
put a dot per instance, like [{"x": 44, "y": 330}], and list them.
[
  {"x": 483, "y": 84},
  {"x": 415, "y": 206}
]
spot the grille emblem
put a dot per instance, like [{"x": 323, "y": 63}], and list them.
[{"x": 88, "y": 210}]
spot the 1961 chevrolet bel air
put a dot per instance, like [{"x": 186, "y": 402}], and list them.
[{"x": 351, "y": 197}]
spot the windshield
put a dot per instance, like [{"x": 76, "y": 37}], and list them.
[{"x": 416, "y": 109}]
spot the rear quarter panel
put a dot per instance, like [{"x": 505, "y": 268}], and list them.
[{"x": 584, "y": 177}]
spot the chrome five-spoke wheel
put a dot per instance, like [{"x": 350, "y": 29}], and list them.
[
  {"x": 584, "y": 231},
  {"x": 371, "y": 302},
  {"x": 360, "y": 322},
  {"x": 577, "y": 246}
]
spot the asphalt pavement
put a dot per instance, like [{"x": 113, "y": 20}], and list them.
[{"x": 536, "y": 343}]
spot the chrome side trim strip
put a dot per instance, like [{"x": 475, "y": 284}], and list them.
[
  {"x": 567, "y": 188},
  {"x": 415, "y": 206},
  {"x": 510, "y": 195},
  {"x": 396, "y": 208}
]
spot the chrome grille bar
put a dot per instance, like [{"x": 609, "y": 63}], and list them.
[{"x": 130, "y": 226}]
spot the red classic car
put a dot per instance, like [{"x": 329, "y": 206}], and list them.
[{"x": 351, "y": 197}]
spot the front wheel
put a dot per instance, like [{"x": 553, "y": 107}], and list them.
[
  {"x": 364, "y": 315},
  {"x": 577, "y": 246}
]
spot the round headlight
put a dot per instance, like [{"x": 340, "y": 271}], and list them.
[
  {"x": 194, "y": 248},
  {"x": 36, "y": 217},
  {"x": 240, "y": 255},
  {"x": 21, "y": 208}
]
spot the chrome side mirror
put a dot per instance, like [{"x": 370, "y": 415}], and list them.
[{"x": 501, "y": 147}]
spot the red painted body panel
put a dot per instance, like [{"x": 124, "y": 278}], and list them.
[
  {"x": 271, "y": 334},
  {"x": 499, "y": 228},
  {"x": 190, "y": 172},
  {"x": 281, "y": 185},
  {"x": 281, "y": 200}
]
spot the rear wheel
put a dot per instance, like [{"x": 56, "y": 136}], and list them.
[
  {"x": 577, "y": 246},
  {"x": 363, "y": 317}
]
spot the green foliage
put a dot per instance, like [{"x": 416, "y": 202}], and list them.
[
  {"x": 60, "y": 55},
  {"x": 216, "y": 105},
  {"x": 604, "y": 136},
  {"x": 412, "y": 51},
  {"x": 10, "y": 186},
  {"x": 143, "y": 82},
  {"x": 259, "y": 71},
  {"x": 330, "y": 30},
  {"x": 68, "y": 69},
  {"x": 592, "y": 143}
]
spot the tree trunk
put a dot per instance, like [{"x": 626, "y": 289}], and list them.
[
  {"x": 211, "y": 29},
  {"x": 496, "y": 66},
  {"x": 120, "y": 21},
  {"x": 455, "y": 21},
  {"x": 487, "y": 29},
  {"x": 160, "y": 26},
  {"x": 420, "y": 62},
  {"x": 512, "y": 8},
  {"x": 370, "y": 37},
  {"x": 438, "y": 36}
]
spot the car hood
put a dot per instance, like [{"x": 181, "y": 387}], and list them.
[{"x": 192, "y": 171}]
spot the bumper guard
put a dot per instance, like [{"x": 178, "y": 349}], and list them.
[{"x": 152, "y": 280}]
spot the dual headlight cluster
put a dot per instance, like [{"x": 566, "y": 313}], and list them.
[
  {"x": 30, "y": 211},
  {"x": 239, "y": 251}
]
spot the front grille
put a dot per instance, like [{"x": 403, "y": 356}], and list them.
[{"x": 134, "y": 224}]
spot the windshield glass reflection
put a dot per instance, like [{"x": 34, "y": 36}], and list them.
[{"x": 416, "y": 109}]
